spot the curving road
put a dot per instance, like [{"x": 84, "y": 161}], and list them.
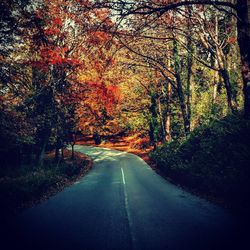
[{"x": 122, "y": 204}]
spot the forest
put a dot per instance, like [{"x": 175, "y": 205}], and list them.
[{"x": 172, "y": 75}]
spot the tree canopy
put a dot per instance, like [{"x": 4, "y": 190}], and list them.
[{"x": 158, "y": 68}]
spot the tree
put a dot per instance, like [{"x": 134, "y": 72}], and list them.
[
  {"x": 243, "y": 24},
  {"x": 240, "y": 9},
  {"x": 99, "y": 67}
]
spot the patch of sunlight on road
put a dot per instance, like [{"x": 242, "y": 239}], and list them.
[{"x": 100, "y": 154}]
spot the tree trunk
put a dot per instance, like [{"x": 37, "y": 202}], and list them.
[
  {"x": 44, "y": 139},
  {"x": 40, "y": 157},
  {"x": 151, "y": 134},
  {"x": 97, "y": 138},
  {"x": 243, "y": 24},
  {"x": 232, "y": 106},
  {"x": 57, "y": 150},
  {"x": 62, "y": 153},
  {"x": 41, "y": 153},
  {"x": 215, "y": 86},
  {"x": 57, "y": 154},
  {"x": 72, "y": 152},
  {"x": 168, "y": 107},
  {"x": 185, "y": 116},
  {"x": 168, "y": 114},
  {"x": 190, "y": 52},
  {"x": 153, "y": 119},
  {"x": 216, "y": 64},
  {"x": 161, "y": 116},
  {"x": 168, "y": 127},
  {"x": 180, "y": 92},
  {"x": 189, "y": 88},
  {"x": 221, "y": 62}
]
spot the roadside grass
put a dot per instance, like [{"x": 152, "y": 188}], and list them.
[
  {"x": 25, "y": 186},
  {"x": 214, "y": 160}
]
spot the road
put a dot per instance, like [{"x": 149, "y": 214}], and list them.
[{"x": 122, "y": 204}]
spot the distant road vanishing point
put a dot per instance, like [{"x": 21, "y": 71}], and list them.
[{"x": 123, "y": 204}]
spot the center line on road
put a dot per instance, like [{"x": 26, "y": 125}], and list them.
[
  {"x": 123, "y": 178},
  {"x": 132, "y": 235}
]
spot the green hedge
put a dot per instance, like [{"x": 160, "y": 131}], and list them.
[{"x": 214, "y": 159}]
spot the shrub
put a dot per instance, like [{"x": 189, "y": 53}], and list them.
[
  {"x": 29, "y": 184},
  {"x": 214, "y": 159}
]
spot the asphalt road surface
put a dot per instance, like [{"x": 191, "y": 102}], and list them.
[{"x": 123, "y": 204}]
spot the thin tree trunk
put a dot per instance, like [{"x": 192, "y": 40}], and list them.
[
  {"x": 62, "y": 153},
  {"x": 216, "y": 73},
  {"x": 153, "y": 119},
  {"x": 183, "y": 106},
  {"x": 42, "y": 146},
  {"x": 168, "y": 127},
  {"x": 222, "y": 64},
  {"x": 72, "y": 152},
  {"x": 168, "y": 114},
  {"x": 180, "y": 92},
  {"x": 243, "y": 24},
  {"x": 41, "y": 156},
  {"x": 232, "y": 106},
  {"x": 168, "y": 106},
  {"x": 163, "y": 131},
  {"x": 215, "y": 86},
  {"x": 57, "y": 150},
  {"x": 41, "y": 153},
  {"x": 57, "y": 154},
  {"x": 189, "y": 63},
  {"x": 151, "y": 135},
  {"x": 215, "y": 83}
]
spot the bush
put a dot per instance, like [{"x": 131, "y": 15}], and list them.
[
  {"x": 97, "y": 139},
  {"x": 23, "y": 186},
  {"x": 214, "y": 159},
  {"x": 73, "y": 168}
]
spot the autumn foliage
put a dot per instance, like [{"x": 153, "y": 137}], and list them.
[
  {"x": 65, "y": 64},
  {"x": 83, "y": 67}
]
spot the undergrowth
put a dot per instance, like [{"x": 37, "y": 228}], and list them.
[
  {"x": 214, "y": 159},
  {"x": 25, "y": 185}
]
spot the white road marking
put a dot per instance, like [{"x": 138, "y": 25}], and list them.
[
  {"x": 123, "y": 178},
  {"x": 128, "y": 212}
]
